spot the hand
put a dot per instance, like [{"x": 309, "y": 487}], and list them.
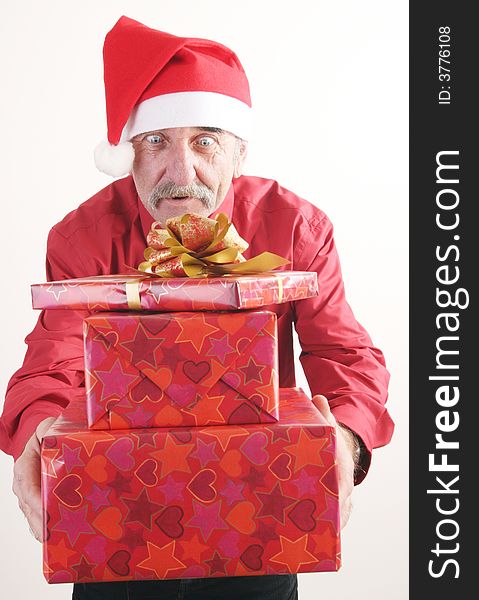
[
  {"x": 26, "y": 480},
  {"x": 344, "y": 458}
]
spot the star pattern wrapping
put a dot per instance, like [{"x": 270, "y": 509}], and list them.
[
  {"x": 179, "y": 502},
  {"x": 216, "y": 564},
  {"x": 141, "y": 509},
  {"x": 161, "y": 560},
  {"x": 195, "y": 477},
  {"x": 74, "y": 523},
  {"x": 216, "y": 293},
  {"x": 142, "y": 347},
  {"x": 182, "y": 368},
  {"x": 195, "y": 330},
  {"x": 207, "y": 518},
  {"x": 294, "y": 553},
  {"x": 274, "y": 503}
]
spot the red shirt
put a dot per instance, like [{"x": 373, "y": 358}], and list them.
[{"x": 109, "y": 231}]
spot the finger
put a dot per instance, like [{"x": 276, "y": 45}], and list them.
[
  {"x": 344, "y": 491},
  {"x": 26, "y": 486},
  {"x": 35, "y": 523},
  {"x": 345, "y": 466},
  {"x": 36, "y": 535},
  {"x": 36, "y": 527},
  {"x": 43, "y": 427},
  {"x": 345, "y": 512},
  {"x": 322, "y": 405},
  {"x": 34, "y": 520},
  {"x": 27, "y": 483},
  {"x": 344, "y": 462}
]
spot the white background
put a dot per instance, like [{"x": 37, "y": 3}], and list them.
[{"x": 329, "y": 86}]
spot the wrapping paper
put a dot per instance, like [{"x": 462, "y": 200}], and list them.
[
  {"x": 122, "y": 292},
  {"x": 190, "y": 502},
  {"x": 184, "y": 368}
]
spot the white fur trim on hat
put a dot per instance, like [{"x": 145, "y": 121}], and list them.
[
  {"x": 190, "y": 109},
  {"x": 114, "y": 160}
]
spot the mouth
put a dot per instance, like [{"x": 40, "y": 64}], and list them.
[{"x": 180, "y": 198}]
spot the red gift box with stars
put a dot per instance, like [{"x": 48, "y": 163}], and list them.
[
  {"x": 190, "y": 501},
  {"x": 185, "y": 368},
  {"x": 142, "y": 292}
]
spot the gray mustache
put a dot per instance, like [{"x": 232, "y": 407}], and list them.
[{"x": 171, "y": 190}]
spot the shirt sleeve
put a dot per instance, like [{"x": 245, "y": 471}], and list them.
[
  {"x": 52, "y": 371},
  {"x": 338, "y": 357}
]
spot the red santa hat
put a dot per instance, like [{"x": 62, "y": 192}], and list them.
[{"x": 155, "y": 80}]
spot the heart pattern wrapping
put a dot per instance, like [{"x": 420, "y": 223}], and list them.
[
  {"x": 181, "y": 368},
  {"x": 212, "y": 501}
]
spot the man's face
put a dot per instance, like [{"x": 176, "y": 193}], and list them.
[{"x": 185, "y": 169}]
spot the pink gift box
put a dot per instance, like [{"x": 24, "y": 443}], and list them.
[
  {"x": 190, "y": 501},
  {"x": 181, "y": 368},
  {"x": 138, "y": 292}
]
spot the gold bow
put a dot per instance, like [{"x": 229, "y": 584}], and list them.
[{"x": 195, "y": 246}]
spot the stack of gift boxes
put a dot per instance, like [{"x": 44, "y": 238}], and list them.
[{"x": 185, "y": 459}]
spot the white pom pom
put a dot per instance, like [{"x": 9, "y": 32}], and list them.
[{"x": 114, "y": 160}]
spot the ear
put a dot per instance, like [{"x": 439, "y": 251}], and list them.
[{"x": 240, "y": 158}]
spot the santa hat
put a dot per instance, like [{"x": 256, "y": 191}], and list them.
[{"x": 155, "y": 80}]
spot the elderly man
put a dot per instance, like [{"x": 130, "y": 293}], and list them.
[{"x": 178, "y": 112}]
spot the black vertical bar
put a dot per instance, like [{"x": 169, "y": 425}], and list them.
[{"x": 444, "y": 259}]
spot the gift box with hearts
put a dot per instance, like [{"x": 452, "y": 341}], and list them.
[
  {"x": 190, "y": 501},
  {"x": 145, "y": 292},
  {"x": 186, "y": 368}
]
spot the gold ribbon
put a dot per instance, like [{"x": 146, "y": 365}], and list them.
[
  {"x": 221, "y": 257},
  {"x": 133, "y": 294},
  {"x": 280, "y": 289}
]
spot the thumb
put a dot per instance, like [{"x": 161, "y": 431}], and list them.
[
  {"x": 322, "y": 405},
  {"x": 43, "y": 427}
]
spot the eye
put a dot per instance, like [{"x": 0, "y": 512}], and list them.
[
  {"x": 153, "y": 138},
  {"x": 205, "y": 141}
]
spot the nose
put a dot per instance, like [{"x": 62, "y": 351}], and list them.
[{"x": 180, "y": 167}]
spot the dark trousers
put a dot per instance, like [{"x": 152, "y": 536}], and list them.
[{"x": 267, "y": 587}]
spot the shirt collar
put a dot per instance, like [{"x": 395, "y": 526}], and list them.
[{"x": 226, "y": 207}]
